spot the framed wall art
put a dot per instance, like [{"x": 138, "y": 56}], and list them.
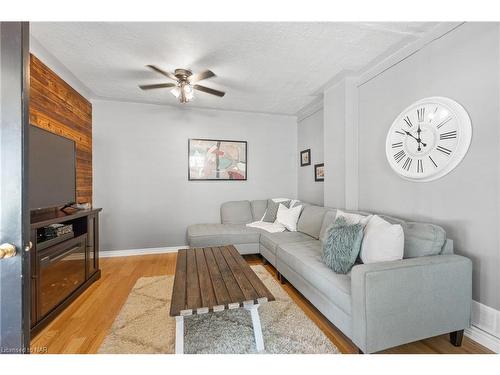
[
  {"x": 305, "y": 157},
  {"x": 319, "y": 172},
  {"x": 217, "y": 160}
]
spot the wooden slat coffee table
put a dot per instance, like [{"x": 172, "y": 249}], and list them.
[{"x": 213, "y": 279}]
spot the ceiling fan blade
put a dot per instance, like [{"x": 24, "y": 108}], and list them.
[
  {"x": 209, "y": 90},
  {"x": 163, "y": 72},
  {"x": 202, "y": 75},
  {"x": 157, "y": 86}
]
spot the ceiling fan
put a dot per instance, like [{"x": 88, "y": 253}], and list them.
[{"x": 185, "y": 83}]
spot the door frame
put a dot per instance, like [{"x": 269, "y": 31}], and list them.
[{"x": 15, "y": 278}]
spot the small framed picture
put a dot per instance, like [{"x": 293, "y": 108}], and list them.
[
  {"x": 319, "y": 172},
  {"x": 305, "y": 157}
]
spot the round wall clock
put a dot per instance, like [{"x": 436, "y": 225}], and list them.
[{"x": 428, "y": 139}]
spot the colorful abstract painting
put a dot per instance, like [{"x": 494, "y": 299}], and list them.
[{"x": 211, "y": 159}]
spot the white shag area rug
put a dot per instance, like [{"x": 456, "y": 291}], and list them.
[{"x": 144, "y": 325}]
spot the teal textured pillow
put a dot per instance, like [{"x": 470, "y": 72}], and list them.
[{"x": 342, "y": 245}]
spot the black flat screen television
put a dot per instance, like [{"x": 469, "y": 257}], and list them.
[{"x": 52, "y": 171}]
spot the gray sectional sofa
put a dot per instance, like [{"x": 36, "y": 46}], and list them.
[{"x": 377, "y": 305}]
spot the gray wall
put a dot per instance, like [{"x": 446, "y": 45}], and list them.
[
  {"x": 463, "y": 65},
  {"x": 310, "y": 136},
  {"x": 140, "y": 169},
  {"x": 334, "y": 145}
]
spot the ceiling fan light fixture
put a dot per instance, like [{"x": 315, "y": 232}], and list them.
[
  {"x": 183, "y": 88},
  {"x": 176, "y": 91},
  {"x": 188, "y": 91},
  {"x": 186, "y": 83}
]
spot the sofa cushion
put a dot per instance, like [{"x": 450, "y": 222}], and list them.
[
  {"x": 328, "y": 220},
  {"x": 258, "y": 209},
  {"x": 305, "y": 259},
  {"x": 393, "y": 220},
  {"x": 272, "y": 240},
  {"x": 200, "y": 235},
  {"x": 310, "y": 220},
  {"x": 236, "y": 212},
  {"x": 421, "y": 239}
]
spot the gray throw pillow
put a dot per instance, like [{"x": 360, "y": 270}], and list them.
[
  {"x": 342, "y": 245},
  {"x": 272, "y": 210}
]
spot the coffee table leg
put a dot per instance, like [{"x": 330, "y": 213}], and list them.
[
  {"x": 257, "y": 329},
  {"x": 179, "y": 335}
]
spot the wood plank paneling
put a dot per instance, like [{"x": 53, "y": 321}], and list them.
[{"x": 56, "y": 107}]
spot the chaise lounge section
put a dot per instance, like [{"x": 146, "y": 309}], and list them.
[{"x": 377, "y": 305}]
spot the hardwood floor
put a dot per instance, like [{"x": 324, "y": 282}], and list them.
[{"x": 84, "y": 324}]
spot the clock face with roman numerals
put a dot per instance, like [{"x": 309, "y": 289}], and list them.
[{"x": 428, "y": 139}]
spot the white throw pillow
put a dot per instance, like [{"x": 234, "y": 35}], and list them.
[
  {"x": 279, "y": 200},
  {"x": 382, "y": 241},
  {"x": 288, "y": 217},
  {"x": 353, "y": 219}
]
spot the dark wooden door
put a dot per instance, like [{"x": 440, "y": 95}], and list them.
[{"x": 14, "y": 212}]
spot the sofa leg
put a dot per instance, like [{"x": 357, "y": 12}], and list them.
[
  {"x": 264, "y": 261},
  {"x": 281, "y": 278},
  {"x": 456, "y": 337},
  {"x": 360, "y": 351}
]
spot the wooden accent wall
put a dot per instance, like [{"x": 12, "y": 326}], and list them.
[{"x": 55, "y": 106}]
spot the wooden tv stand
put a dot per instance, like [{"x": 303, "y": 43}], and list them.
[{"x": 62, "y": 268}]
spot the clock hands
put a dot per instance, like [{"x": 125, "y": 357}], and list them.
[
  {"x": 419, "y": 141},
  {"x": 411, "y": 135}
]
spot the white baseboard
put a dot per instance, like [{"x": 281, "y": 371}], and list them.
[
  {"x": 147, "y": 251},
  {"x": 484, "y": 338},
  {"x": 485, "y": 326}
]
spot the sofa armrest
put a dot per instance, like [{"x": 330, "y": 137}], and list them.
[{"x": 394, "y": 303}]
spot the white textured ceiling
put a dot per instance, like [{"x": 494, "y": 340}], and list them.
[{"x": 263, "y": 67}]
